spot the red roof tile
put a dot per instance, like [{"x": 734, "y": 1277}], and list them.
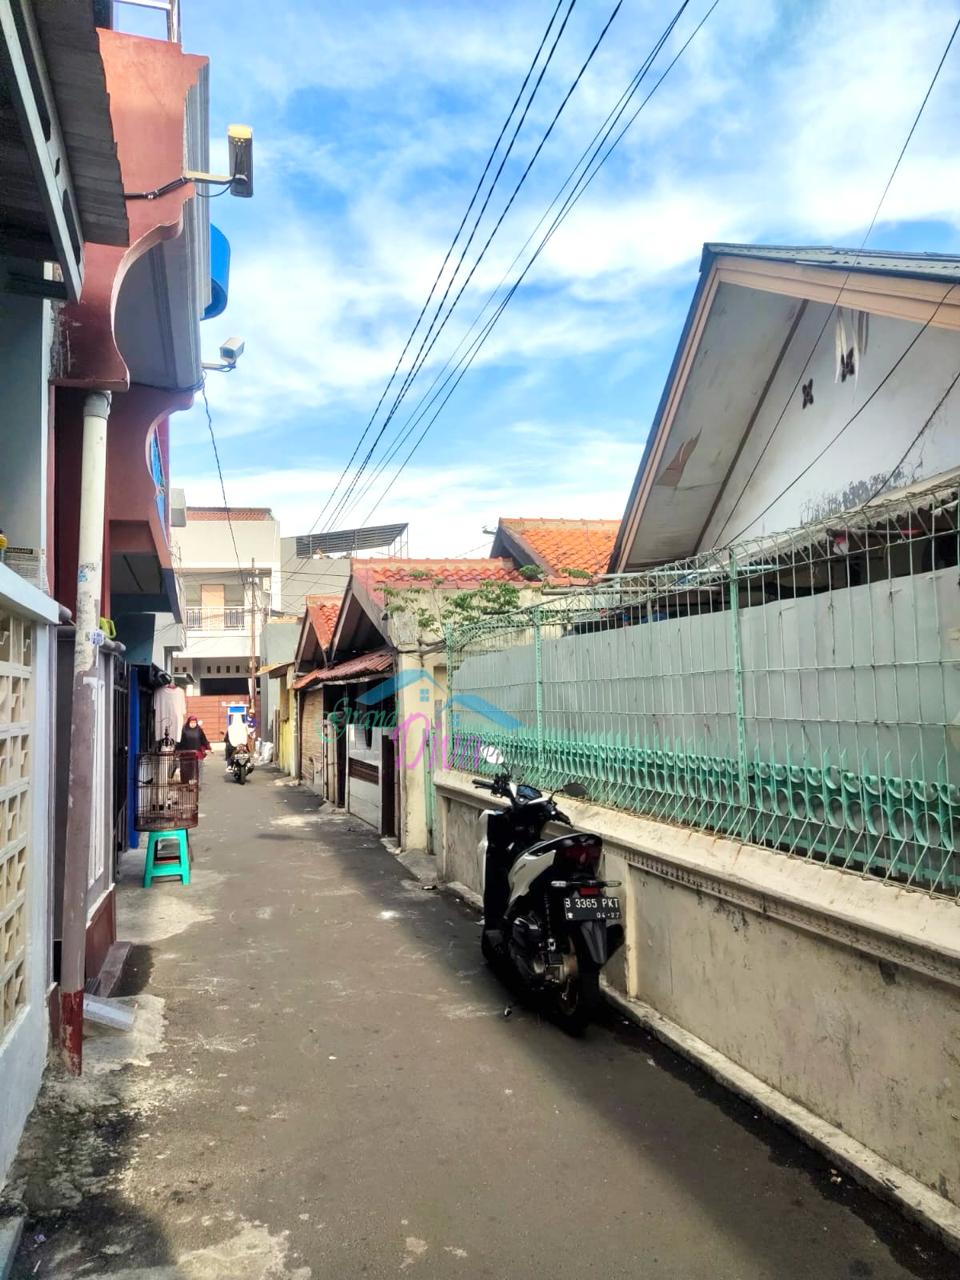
[
  {"x": 323, "y": 612},
  {"x": 367, "y": 664},
  {"x": 566, "y": 544},
  {"x": 455, "y": 575},
  {"x": 235, "y": 513}
]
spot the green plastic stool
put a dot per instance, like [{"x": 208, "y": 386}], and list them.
[{"x": 153, "y": 870}]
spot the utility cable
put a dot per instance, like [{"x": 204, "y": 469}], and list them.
[
  {"x": 603, "y": 131},
  {"x": 422, "y": 355},
  {"x": 853, "y": 417},
  {"x": 834, "y": 305},
  {"x": 417, "y": 361},
  {"x": 590, "y": 153},
  {"x": 571, "y": 199},
  {"x": 906, "y": 453},
  {"x": 433, "y": 288},
  {"x": 223, "y": 491}
]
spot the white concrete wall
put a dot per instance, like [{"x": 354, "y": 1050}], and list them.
[
  {"x": 419, "y": 716},
  {"x": 852, "y": 467},
  {"x": 206, "y": 544},
  {"x": 841, "y": 993},
  {"x": 302, "y": 578}
]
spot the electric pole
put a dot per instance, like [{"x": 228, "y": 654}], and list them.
[{"x": 253, "y": 635}]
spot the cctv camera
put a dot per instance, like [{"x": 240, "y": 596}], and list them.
[
  {"x": 231, "y": 350},
  {"x": 240, "y": 142}
]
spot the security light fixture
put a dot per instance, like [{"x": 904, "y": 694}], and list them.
[
  {"x": 239, "y": 181},
  {"x": 230, "y": 353},
  {"x": 240, "y": 178}
]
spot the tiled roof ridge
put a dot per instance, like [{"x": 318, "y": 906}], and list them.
[
  {"x": 231, "y": 513},
  {"x": 581, "y": 520}
]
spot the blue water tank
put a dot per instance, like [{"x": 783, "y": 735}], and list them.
[{"x": 219, "y": 272}]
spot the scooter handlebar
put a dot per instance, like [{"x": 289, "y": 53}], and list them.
[{"x": 480, "y": 782}]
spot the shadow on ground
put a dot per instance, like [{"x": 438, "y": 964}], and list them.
[{"x": 647, "y": 1105}]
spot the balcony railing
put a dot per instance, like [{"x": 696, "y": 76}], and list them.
[
  {"x": 170, "y": 7},
  {"x": 223, "y": 619}
]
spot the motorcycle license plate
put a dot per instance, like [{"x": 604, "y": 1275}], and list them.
[{"x": 576, "y": 907}]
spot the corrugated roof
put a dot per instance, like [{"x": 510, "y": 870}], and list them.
[
  {"x": 367, "y": 664},
  {"x": 323, "y": 612},
  {"x": 231, "y": 513},
  {"x": 560, "y": 544},
  {"x": 275, "y": 668},
  {"x": 456, "y": 575},
  {"x": 937, "y": 266},
  {"x": 78, "y": 81},
  {"x": 348, "y": 540}
]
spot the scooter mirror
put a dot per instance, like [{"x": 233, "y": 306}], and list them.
[
  {"x": 573, "y": 788},
  {"x": 491, "y": 755}
]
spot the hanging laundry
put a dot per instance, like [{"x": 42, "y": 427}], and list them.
[{"x": 169, "y": 711}]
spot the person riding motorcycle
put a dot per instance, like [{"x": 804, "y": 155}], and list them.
[{"x": 237, "y": 735}]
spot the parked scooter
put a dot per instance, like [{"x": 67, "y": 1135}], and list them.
[{"x": 546, "y": 914}]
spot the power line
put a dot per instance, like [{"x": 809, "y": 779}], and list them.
[
  {"x": 612, "y": 117},
  {"x": 423, "y": 355},
  {"x": 417, "y": 361},
  {"x": 582, "y": 183},
  {"x": 853, "y": 417},
  {"x": 834, "y": 304},
  {"x": 590, "y": 153},
  {"x": 894, "y": 469},
  {"x": 473, "y": 199},
  {"x": 223, "y": 490}
]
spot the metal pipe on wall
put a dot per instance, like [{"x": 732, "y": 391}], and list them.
[{"x": 83, "y": 726}]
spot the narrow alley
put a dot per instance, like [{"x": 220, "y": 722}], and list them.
[{"x": 324, "y": 1085}]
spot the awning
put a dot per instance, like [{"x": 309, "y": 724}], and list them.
[
  {"x": 359, "y": 668},
  {"x": 275, "y": 668},
  {"x": 58, "y": 168}
]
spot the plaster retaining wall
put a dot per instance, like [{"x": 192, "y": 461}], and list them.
[{"x": 837, "y": 993}]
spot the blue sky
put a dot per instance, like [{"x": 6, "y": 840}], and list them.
[{"x": 372, "y": 122}]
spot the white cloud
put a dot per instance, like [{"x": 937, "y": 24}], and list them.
[
  {"x": 776, "y": 122},
  {"x": 448, "y": 506}
]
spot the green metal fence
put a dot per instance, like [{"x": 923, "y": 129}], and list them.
[{"x": 800, "y": 692}]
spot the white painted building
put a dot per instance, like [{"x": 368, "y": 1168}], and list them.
[
  {"x": 760, "y": 429},
  {"x": 230, "y": 574}
]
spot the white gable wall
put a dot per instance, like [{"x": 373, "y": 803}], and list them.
[{"x": 854, "y": 467}]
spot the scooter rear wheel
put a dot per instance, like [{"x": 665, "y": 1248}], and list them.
[{"x": 575, "y": 1004}]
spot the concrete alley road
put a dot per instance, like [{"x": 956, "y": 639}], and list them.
[{"x": 326, "y": 1087}]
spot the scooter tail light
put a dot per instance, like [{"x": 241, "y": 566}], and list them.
[{"x": 582, "y": 856}]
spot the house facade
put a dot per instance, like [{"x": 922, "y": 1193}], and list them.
[
  {"x": 802, "y": 378},
  {"x": 101, "y": 297},
  {"x": 372, "y": 715},
  {"x": 229, "y": 564},
  {"x": 761, "y": 701}
]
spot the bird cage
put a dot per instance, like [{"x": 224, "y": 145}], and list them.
[{"x": 168, "y": 790}]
